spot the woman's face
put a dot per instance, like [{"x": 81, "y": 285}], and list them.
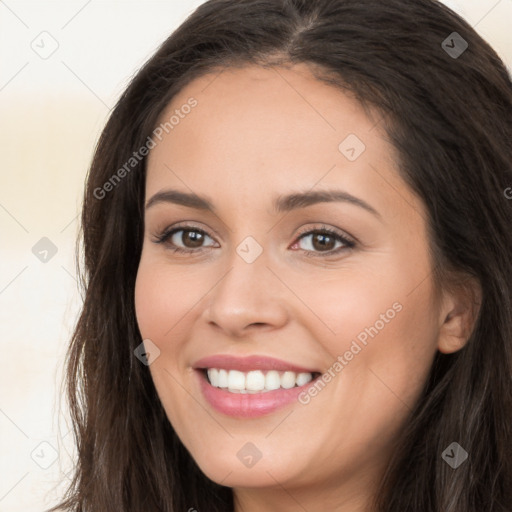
[{"x": 247, "y": 181}]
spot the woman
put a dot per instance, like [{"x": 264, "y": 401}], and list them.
[{"x": 297, "y": 268}]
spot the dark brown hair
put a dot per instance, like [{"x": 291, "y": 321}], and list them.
[{"x": 449, "y": 118}]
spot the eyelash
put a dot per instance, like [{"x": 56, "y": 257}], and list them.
[{"x": 163, "y": 238}]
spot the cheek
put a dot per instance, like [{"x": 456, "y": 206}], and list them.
[
  {"x": 164, "y": 299},
  {"x": 386, "y": 338},
  {"x": 152, "y": 297},
  {"x": 164, "y": 308},
  {"x": 162, "y": 303},
  {"x": 383, "y": 327}
]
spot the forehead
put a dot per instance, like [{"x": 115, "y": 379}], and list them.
[
  {"x": 254, "y": 105},
  {"x": 262, "y": 129}
]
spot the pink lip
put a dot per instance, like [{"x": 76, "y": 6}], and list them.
[
  {"x": 245, "y": 364},
  {"x": 246, "y": 405}
]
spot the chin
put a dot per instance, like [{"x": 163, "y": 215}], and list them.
[{"x": 226, "y": 469}]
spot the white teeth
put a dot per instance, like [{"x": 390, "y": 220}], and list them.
[
  {"x": 288, "y": 380},
  {"x": 303, "y": 378},
  {"x": 213, "y": 376},
  {"x": 223, "y": 379},
  {"x": 272, "y": 380},
  {"x": 256, "y": 381},
  {"x": 236, "y": 380}
]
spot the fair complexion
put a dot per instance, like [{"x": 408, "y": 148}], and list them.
[{"x": 256, "y": 135}]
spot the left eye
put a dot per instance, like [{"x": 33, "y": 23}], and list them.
[{"x": 322, "y": 241}]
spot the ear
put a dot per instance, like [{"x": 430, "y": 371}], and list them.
[{"x": 458, "y": 314}]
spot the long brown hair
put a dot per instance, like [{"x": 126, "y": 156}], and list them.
[{"x": 449, "y": 115}]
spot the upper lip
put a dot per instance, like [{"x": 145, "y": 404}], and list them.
[{"x": 247, "y": 363}]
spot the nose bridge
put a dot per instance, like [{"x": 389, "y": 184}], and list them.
[{"x": 249, "y": 292}]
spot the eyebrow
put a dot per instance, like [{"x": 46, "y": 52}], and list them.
[{"x": 281, "y": 204}]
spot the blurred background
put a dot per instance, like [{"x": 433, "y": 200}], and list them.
[{"x": 63, "y": 65}]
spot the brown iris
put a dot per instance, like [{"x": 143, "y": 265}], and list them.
[
  {"x": 323, "y": 242},
  {"x": 192, "y": 239}
]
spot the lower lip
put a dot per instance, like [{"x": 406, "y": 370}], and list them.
[{"x": 248, "y": 405}]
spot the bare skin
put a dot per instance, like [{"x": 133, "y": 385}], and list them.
[{"x": 254, "y": 135}]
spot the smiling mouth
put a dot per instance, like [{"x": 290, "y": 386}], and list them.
[{"x": 256, "y": 381}]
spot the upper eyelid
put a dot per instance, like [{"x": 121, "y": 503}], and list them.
[
  {"x": 168, "y": 232},
  {"x": 335, "y": 231},
  {"x": 188, "y": 224},
  {"x": 302, "y": 232},
  {"x": 187, "y": 227}
]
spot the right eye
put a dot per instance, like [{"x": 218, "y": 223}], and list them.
[{"x": 184, "y": 239}]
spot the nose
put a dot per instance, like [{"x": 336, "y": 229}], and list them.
[{"x": 248, "y": 298}]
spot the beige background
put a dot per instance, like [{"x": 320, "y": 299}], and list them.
[{"x": 51, "y": 113}]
